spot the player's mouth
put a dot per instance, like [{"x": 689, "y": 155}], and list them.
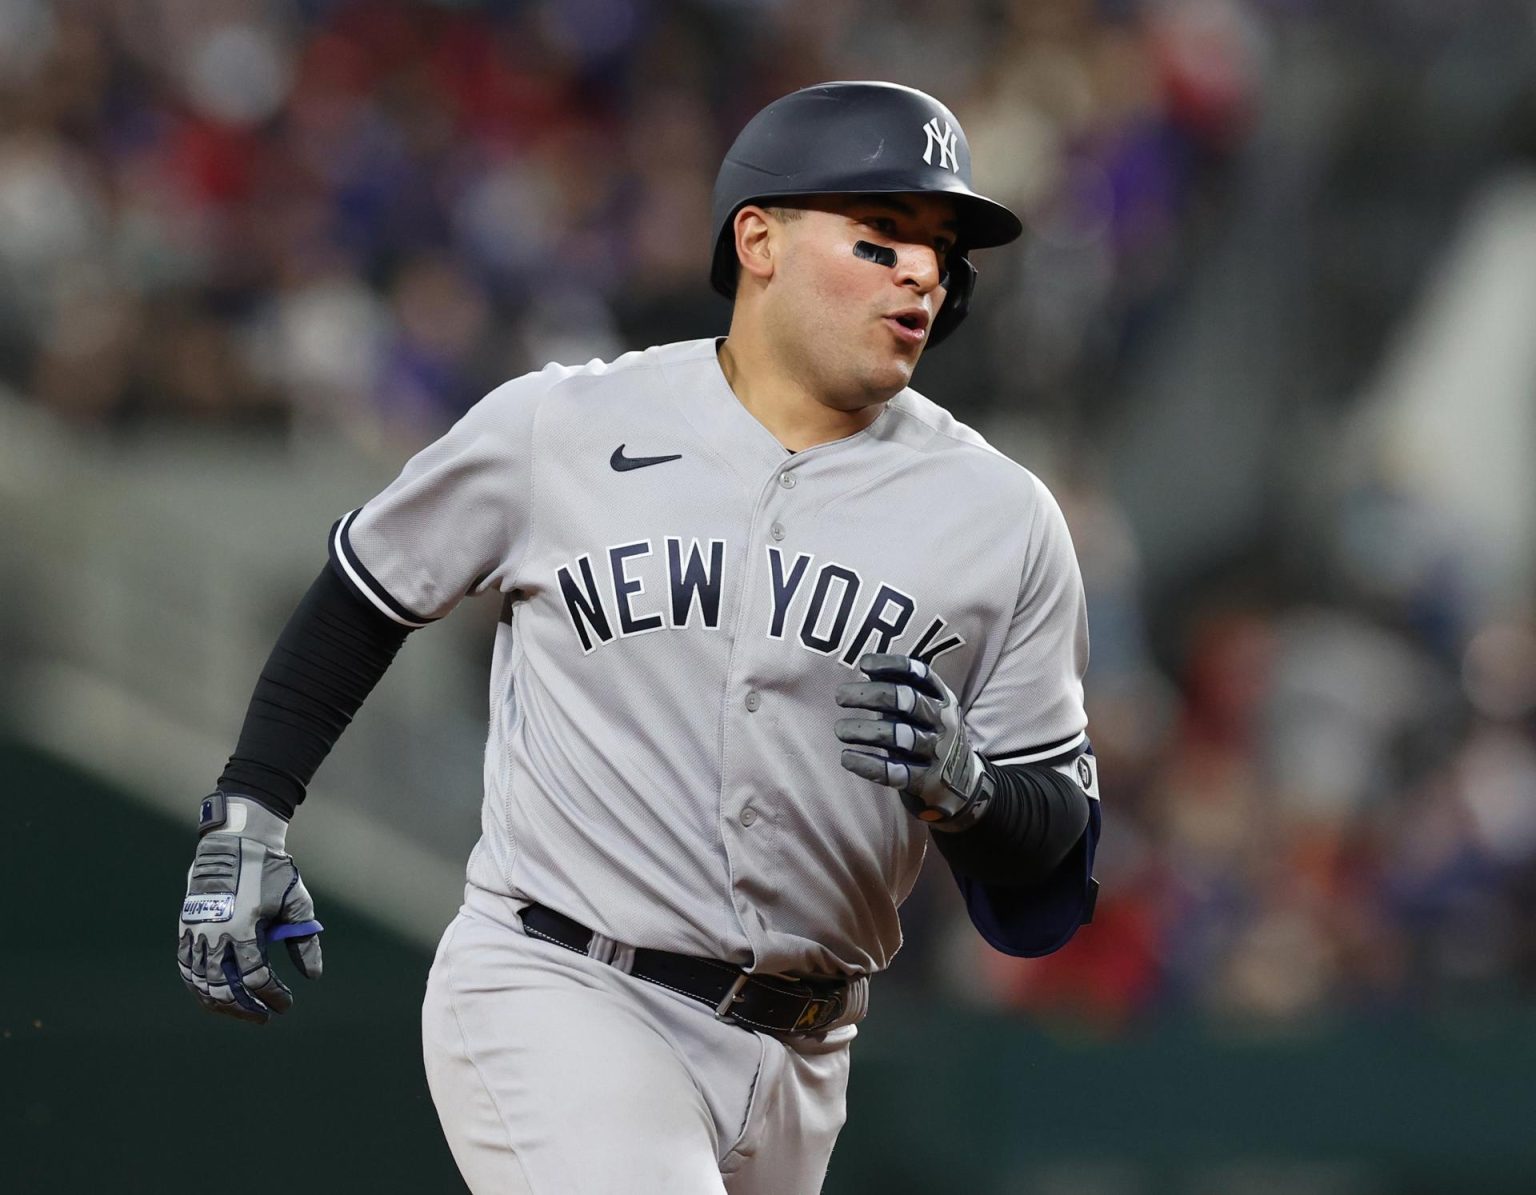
[{"x": 910, "y": 324}]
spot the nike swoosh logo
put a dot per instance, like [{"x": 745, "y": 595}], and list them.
[{"x": 623, "y": 464}]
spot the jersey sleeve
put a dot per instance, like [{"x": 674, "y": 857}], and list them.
[
  {"x": 1030, "y": 710},
  {"x": 456, "y": 520}
]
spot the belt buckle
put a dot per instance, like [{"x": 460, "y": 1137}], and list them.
[{"x": 733, "y": 994}]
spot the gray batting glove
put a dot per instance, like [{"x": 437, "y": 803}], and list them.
[
  {"x": 921, "y": 746},
  {"x": 244, "y": 892}
]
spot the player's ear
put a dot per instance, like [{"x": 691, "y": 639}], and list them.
[{"x": 754, "y": 230}]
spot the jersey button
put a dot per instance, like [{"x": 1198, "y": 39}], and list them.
[
  {"x": 748, "y": 816},
  {"x": 787, "y": 480},
  {"x": 754, "y": 701},
  {"x": 777, "y": 531}
]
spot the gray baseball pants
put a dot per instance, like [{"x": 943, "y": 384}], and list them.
[{"x": 555, "y": 1074}]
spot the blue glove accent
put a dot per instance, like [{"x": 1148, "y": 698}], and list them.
[{"x": 297, "y": 929}]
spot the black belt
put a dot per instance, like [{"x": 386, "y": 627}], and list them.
[{"x": 769, "y": 1002}]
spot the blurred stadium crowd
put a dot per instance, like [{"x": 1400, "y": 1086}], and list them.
[
  {"x": 359, "y": 217},
  {"x": 367, "y": 214}
]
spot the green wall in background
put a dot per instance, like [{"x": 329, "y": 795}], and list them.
[{"x": 112, "y": 1079}]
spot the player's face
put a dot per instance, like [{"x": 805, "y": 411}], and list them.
[{"x": 856, "y": 325}]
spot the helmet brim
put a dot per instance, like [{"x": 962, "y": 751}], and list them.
[{"x": 984, "y": 223}]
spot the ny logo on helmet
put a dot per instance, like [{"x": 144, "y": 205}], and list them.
[{"x": 947, "y": 141}]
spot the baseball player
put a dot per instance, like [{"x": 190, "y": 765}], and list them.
[{"x": 772, "y": 624}]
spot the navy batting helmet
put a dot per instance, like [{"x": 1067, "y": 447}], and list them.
[{"x": 859, "y": 139}]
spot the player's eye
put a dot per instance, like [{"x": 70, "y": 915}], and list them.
[{"x": 882, "y": 224}]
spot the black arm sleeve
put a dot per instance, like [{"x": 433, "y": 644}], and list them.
[
  {"x": 328, "y": 658},
  {"x": 1036, "y": 817}
]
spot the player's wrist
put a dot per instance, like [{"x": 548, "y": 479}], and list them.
[
  {"x": 959, "y": 799},
  {"x": 234, "y": 813}
]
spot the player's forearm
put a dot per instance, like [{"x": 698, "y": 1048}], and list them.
[
  {"x": 326, "y": 661},
  {"x": 1036, "y": 817}
]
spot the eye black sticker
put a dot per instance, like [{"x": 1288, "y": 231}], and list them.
[{"x": 878, "y": 254}]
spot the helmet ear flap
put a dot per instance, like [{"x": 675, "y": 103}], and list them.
[{"x": 957, "y": 298}]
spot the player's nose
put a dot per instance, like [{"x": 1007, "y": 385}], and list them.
[{"x": 919, "y": 267}]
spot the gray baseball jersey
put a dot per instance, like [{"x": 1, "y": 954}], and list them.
[{"x": 682, "y": 598}]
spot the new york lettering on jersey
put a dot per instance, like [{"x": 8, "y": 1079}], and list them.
[{"x": 829, "y": 609}]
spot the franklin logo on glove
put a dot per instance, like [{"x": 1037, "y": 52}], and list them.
[{"x": 219, "y": 907}]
